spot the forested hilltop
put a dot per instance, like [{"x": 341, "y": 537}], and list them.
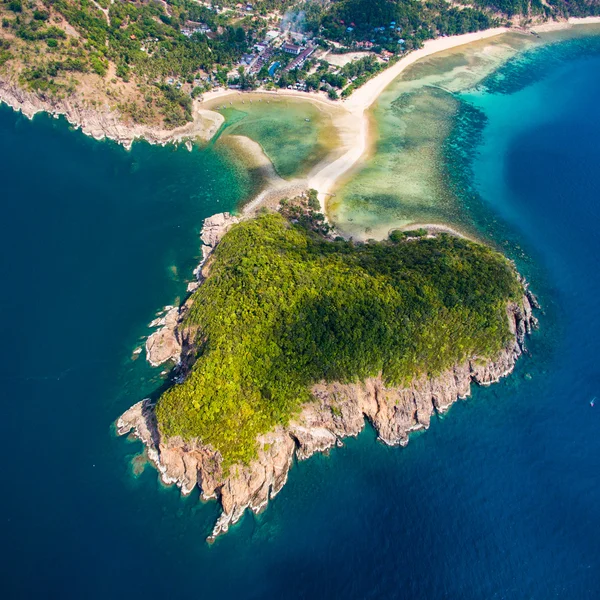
[
  {"x": 149, "y": 59},
  {"x": 283, "y": 308}
]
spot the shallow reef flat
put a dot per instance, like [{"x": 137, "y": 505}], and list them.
[
  {"x": 404, "y": 180},
  {"x": 423, "y": 128}
]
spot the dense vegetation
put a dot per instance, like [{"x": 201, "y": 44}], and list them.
[
  {"x": 400, "y": 25},
  {"x": 413, "y": 21},
  {"x": 283, "y": 307},
  {"x": 546, "y": 8}
]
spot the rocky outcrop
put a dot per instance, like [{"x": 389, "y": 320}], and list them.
[
  {"x": 215, "y": 227},
  {"x": 105, "y": 122},
  {"x": 170, "y": 342},
  {"x": 164, "y": 345},
  {"x": 338, "y": 410},
  {"x": 213, "y": 230}
]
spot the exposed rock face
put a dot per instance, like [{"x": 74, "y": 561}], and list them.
[
  {"x": 107, "y": 123},
  {"x": 216, "y": 227},
  {"x": 164, "y": 345},
  {"x": 213, "y": 230},
  {"x": 339, "y": 410}
]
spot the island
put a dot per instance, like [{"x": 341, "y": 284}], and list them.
[{"x": 294, "y": 336}]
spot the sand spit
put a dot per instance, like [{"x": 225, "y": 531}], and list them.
[{"x": 354, "y": 124}]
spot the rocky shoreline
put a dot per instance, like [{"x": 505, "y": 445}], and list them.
[
  {"x": 107, "y": 123},
  {"x": 167, "y": 343},
  {"x": 339, "y": 410}
]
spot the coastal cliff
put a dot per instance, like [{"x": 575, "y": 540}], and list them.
[{"x": 337, "y": 410}]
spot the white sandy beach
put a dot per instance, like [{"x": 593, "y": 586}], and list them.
[
  {"x": 362, "y": 99},
  {"x": 275, "y": 186},
  {"x": 353, "y": 122},
  {"x": 559, "y": 25}
]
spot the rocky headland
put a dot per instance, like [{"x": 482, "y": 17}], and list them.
[
  {"x": 339, "y": 410},
  {"x": 101, "y": 123}
]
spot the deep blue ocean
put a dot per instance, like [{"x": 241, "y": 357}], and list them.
[{"x": 499, "y": 499}]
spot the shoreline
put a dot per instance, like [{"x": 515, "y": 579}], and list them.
[
  {"x": 326, "y": 180},
  {"x": 548, "y": 26},
  {"x": 106, "y": 124},
  {"x": 353, "y": 122},
  {"x": 327, "y": 175},
  {"x": 338, "y": 410}
]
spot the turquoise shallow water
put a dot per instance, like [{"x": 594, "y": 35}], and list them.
[{"x": 499, "y": 499}]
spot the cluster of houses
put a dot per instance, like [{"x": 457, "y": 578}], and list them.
[
  {"x": 285, "y": 40},
  {"x": 302, "y": 55},
  {"x": 277, "y": 41},
  {"x": 265, "y": 53}
]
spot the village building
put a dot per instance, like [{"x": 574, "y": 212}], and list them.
[
  {"x": 300, "y": 59},
  {"x": 292, "y": 49}
]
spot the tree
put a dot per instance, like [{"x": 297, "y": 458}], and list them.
[{"x": 313, "y": 200}]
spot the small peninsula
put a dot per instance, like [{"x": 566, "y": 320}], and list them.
[{"x": 292, "y": 339}]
